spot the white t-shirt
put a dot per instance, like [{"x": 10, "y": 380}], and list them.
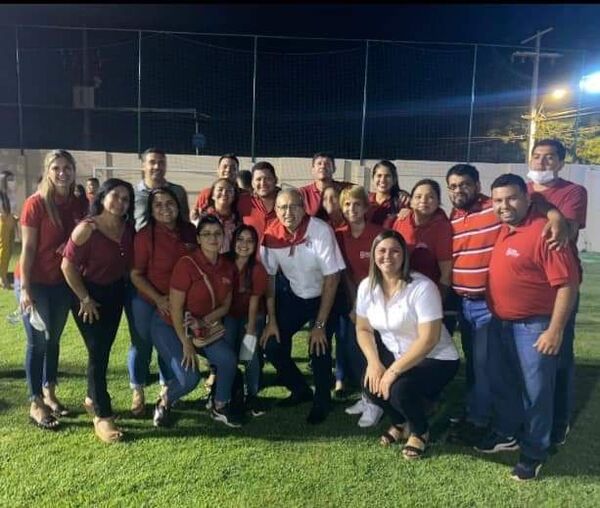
[
  {"x": 310, "y": 261},
  {"x": 397, "y": 320}
]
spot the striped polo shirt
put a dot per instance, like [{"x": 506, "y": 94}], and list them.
[{"x": 474, "y": 234}]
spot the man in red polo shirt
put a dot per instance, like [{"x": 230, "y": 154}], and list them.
[
  {"x": 531, "y": 291},
  {"x": 547, "y": 189},
  {"x": 323, "y": 167},
  {"x": 258, "y": 209},
  {"x": 228, "y": 168}
]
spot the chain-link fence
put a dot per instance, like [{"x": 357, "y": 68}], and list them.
[{"x": 124, "y": 90}]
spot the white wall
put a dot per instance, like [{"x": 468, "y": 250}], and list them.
[{"x": 197, "y": 172}]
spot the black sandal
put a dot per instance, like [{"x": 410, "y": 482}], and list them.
[
  {"x": 48, "y": 422},
  {"x": 394, "y": 434},
  {"x": 411, "y": 452}
]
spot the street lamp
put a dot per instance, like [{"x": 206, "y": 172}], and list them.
[{"x": 537, "y": 115}]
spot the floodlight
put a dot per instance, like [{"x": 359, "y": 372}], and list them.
[{"x": 590, "y": 83}]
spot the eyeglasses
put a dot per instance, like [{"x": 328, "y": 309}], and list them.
[
  {"x": 216, "y": 234},
  {"x": 462, "y": 186},
  {"x": 291, "y": 208}
]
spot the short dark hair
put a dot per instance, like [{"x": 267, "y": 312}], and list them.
[
  {"x": 432, "y": 183},
  {"x": 264, "y": 166},
  {"x": 245, "y": 177},
  {"x": 207, "y": 220},
  {"x": 463, "y": 170},
  {"x": 153, "y": 150},
  {"x": 93, "y": 179},
  {"x": 326, "y": 155},
  {"x": 229, "y": 156},
  {"x": 560, "y": 149},
  {"x": 510, "y": 180}
]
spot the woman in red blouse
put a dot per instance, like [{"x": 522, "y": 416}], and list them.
[
  {"x": 201, "y": 285},
  {"x": 157, "y": 247},
  {"x": 246, "y": 316},
  {"x": 223, "y": 204},
  {"x": 387, "y": 199},
  {"x": 47, "y": 219},
  {"x": 95, "y": 261}
]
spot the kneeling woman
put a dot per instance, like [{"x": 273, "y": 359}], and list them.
[
  {"x": 201, "y": 285},
  {"x": 96, "y": 259},
  {"x": 410, "y": 355}
]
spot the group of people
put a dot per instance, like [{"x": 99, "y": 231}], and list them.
[{"x": 235, "y": 278}]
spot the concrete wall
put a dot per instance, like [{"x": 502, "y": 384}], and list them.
[{"x": 197, "y": 172}]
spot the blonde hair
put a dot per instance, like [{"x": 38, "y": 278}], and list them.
[
  {"x": 355, "y": 192},
  {"x": 46, "y": 187}
]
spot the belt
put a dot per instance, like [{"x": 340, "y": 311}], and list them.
[{"x": 473, "y": 297}]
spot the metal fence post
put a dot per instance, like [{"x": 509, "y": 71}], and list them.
[
  {"x": 139, "y": 98},
  {"x": 253, "y": 131},
  {"x": 472, "y": 104},
  {"x": 578, "y": 115},
  {"x": 364, "y": 105},
  {"x": 19, "y": 101}
]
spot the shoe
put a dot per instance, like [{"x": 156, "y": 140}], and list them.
[
  {"x": 371, "y": 415},
  {"x": 493, "y": 443},
  {"x": 296, "y": 398},
  {"x": 138, "y": 404},
  {"x": 255, "y": 406},
  {"x": 561, "y": 439},
  {"x": 318, "y": 414},
  {"x": 57, "y": 408},
  {"x": 394, "y": 434},
  {"x": 44, "y": 418},
  {"x": 225, "y": 416},
  {"x": 162, "y": 415},
  {"x": 415, "y": 446},
  {"x": 358, "y": 407},
  {"x": 106, "y": 431},
  {"x": 526, "y": 469}
]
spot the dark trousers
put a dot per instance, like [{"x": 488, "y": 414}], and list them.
[
  {"x": 425, "y": 380},
  {"x": 292, "y": 313},
  {"x": 99, "y": 338}
]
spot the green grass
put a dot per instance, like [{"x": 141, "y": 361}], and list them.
[{"x": 275, "y": 460}]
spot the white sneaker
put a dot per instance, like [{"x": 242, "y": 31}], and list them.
[
  {"x": 371, "y": 415},
  {"x": 357, "y": 408}
]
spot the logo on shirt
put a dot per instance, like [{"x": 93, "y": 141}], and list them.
[
  {"x": 364, "y": 254},
  {"x": 513, "y": 253}
]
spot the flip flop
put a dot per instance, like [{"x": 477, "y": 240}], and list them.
[
  {"x": 394, "y": 434},
  {"x": 416, "y": 450},
  {"x": 57, "y": 409}
]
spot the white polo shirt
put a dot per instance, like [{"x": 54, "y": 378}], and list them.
[
  {"x": 307, "y": 263},
  {"x": 397, "y": 320}
]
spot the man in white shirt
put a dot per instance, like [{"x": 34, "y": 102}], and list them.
[{"x": 306, "y": 251}]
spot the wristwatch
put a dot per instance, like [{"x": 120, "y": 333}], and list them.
[{"x": 319, "y": 325}]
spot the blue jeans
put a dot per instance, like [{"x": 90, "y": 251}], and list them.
[
  {"x": 219, "y": 353},
  {"x": 474, "y": 320},
  {"x": 522, "y": 383},
  {"x": 140, "y": 351},
  {"x": 564, "y": 390},
  {"x": 41, "y": 358},
  {"x": 235, "y": 329},
  {"x": 350, "y": 361}
]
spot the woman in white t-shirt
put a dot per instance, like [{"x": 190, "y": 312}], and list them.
[{"x": 410, "y": 355}]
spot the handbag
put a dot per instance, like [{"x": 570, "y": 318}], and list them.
[{"x": 210, "y": 332}]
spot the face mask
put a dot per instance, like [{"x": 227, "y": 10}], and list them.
[{"x": 541, "y": 177}]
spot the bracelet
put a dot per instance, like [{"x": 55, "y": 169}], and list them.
[{"x": 319, "y": 325}]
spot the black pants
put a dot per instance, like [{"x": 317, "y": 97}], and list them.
[
  {"x": 292, "y": 313},
  {"x": 425, "y": 380},
  {"x": 99, "y": 338}
]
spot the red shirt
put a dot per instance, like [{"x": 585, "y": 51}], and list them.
[
  {"x": 241, "y": 296},
  {"x": 50, "y": 238},
  {"x": 101, "y": 260},
  {"x": 571, "y": 201},
  {"x": 428, "y": 244},
  {"x": 525, "y": 274},
  {"x": 312, "y": 195},
  {"x": 203, "y": 198},
  {"x": 383, "y": 214},
  {"x": 155, "y": 254},
  {"x": 254, "y": 213},
  {"x": 474, "y": 234},
  {"x": 357, "y": 251},
  {"x": 187, "y": 278}
]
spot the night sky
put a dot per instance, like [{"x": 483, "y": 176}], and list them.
[{"x": 309, "y": 94}]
